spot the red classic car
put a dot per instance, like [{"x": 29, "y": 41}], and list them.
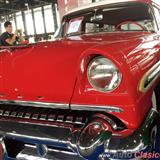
[{"x": 92, "y": 93}]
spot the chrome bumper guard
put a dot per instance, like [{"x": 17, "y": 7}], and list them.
[
  {"x": 141, "y": 141},
  {"x": 44, "y": 141}
]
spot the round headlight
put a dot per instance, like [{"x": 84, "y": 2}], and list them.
[{"x": 103, "y": 75}]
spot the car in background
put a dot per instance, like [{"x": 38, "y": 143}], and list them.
[{"x": 92, "y": 93}]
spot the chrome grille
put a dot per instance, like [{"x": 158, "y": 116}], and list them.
[{"x": 42, "y": 114}]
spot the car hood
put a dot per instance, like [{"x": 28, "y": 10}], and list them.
[{"x": 43, "y": 72}]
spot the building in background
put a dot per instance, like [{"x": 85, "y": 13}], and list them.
[
  {"x": 38, "y": 19},
  {"x": 65, "y": 6}
]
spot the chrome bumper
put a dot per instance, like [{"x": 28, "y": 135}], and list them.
[
  {"x": 44, "y": 141},
  {"x": 30, "y": 153},
  {"x": 140, "y": 141}
]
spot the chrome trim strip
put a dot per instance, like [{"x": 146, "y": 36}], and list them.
[
  {"x": 96, "y": 108},
  {"x": 36, "y": 104},
  {"x": 63, "y": 106},
  {"x": 150, "y": 77}
]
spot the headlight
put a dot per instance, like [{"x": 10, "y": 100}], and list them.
[{"x": 103, "y": 75}]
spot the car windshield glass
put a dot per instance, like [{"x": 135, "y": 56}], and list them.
[{"x": 122, "y": 17}]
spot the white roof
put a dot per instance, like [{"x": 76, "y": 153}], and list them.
[{"x": 104, "y": 2}]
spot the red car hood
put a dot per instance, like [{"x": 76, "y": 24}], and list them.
[
  {"x": 44, "y": 72},
  {"x": 47, "y": 71}
]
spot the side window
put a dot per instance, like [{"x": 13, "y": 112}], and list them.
[
  {"x": 132, "y": 27},
  {"x": 90, "y": 27}
]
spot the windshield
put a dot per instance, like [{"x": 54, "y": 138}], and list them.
[{"x": 122, "y": 17}]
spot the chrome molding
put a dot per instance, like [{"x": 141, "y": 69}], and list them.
[
  {"x": 108, "y": 119},
  {"x": 104, "y": 108},
  {"x": 150, "y": 77},
  {"x": 96, "y": 108},
  {"x": 88, "y": 144},
  {"x": 36, "y": 104}
]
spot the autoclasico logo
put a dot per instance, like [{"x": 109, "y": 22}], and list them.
[
  {"x": 147, "y": 155},
  {"x": 119, "y": 155},
  {"x": 129, "y": 155}
]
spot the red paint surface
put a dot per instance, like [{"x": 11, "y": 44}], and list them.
[
  {"x": 50, "y": 70},
  {"x": 54, "y": 71}
]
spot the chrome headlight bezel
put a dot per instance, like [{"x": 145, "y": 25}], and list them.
[{"x": 113, "y": 66}]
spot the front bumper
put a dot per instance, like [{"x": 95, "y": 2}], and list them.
[
  {"x": 141, "y": 141},
  {"x": 42, "y": 142}
]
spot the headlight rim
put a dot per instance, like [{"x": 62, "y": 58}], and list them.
[{"x": 101, "y": 89}]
